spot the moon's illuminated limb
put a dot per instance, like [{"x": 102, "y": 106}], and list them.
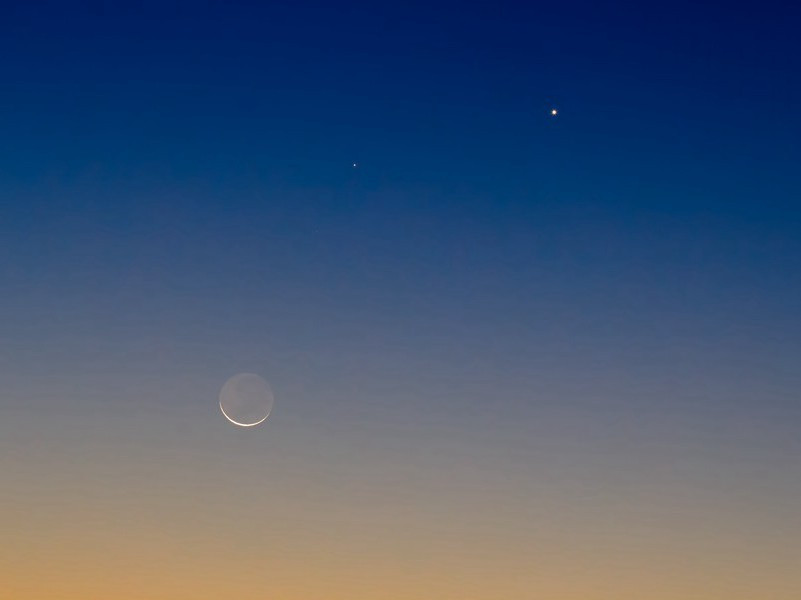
[
  {"x": 222, "y": 410},
  {"x": 246, "y": 400}
]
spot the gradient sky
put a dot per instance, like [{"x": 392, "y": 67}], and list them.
[{"x": 514, "y": 356}]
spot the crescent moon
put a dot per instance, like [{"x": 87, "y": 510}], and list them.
[
  {"x": 246, "y": 400},
  {"x": 222, "y": 410}
]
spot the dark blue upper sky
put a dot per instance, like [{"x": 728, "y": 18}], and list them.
[
  {"x": 698, "y": 97},
  {"x": 187, "y": 169}
]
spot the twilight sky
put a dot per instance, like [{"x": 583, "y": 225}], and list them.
[{"x": 514, "y": 355}]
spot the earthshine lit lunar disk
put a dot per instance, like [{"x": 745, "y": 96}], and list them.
[{"x": 246, "y": 400}]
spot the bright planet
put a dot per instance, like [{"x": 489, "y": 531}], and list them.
[{"x": 246, "y": 400}]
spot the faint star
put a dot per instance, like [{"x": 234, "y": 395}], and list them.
[{"x": 554, "y": 112}]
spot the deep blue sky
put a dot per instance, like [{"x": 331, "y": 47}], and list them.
[
  {"x": 196, "y": 160},
  {"x": 594, "y": 296}
]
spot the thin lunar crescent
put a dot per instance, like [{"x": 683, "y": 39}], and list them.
[
  {"x": 246, "y": 400},
  {"x": 241, "y": 424}
]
